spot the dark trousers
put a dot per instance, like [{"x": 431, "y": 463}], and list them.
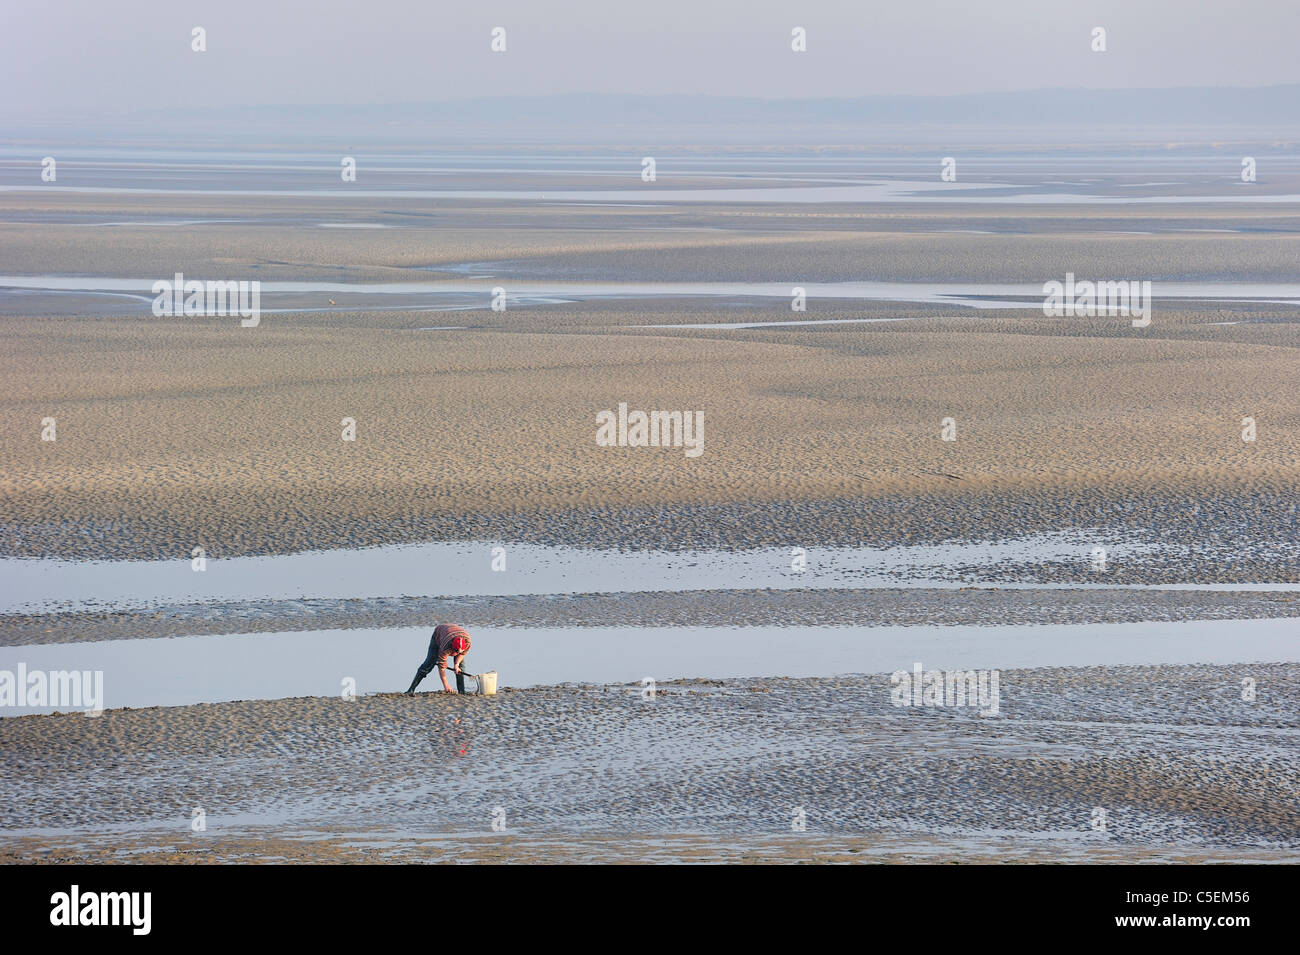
[{"x": 430, "y": 662}]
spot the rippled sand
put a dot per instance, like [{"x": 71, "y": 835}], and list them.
[
  {"x": 181, "y": 433},
  {"x": 709, "y": 608},
  {"x": 1182, "y": 766},
  {"x": 174, "y": 435}
]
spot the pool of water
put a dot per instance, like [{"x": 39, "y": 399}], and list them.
[
  {"x": 210, "y": 669},
  {"x": 462, "y": 569},
  {"x": 461, "y": 294}
]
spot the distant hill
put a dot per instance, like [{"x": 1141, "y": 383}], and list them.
[{"x": 1048, "y": 115}]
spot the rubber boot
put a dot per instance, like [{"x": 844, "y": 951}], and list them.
[{"x": 419, "y": 678}]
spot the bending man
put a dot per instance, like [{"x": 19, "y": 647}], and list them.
[{"x": 448, "y": 642}]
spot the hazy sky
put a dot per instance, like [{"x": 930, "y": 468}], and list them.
[{"x": 87, "y": 56}]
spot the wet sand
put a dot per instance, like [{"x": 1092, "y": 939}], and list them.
[
  {"x": 877, "y": 607},
  {"x": 707, "y": 770},
  {"x": 176, "y": 433},
  {"x": 172, "y": 436},
  {"x": 336, "y": 846}
]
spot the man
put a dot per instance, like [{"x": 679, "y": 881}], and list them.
[{"x": 448, "y": 642}]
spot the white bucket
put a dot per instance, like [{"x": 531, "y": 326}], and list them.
[{"x": 487, "y": 683}]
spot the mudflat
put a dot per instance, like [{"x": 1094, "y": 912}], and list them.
[
  {"x": 895, "y": 423},
  {"x": 1084, "y": 764},
  {"x": 175, "y": 433}
]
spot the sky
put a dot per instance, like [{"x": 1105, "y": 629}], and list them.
[{"x": 86, "y": 57}]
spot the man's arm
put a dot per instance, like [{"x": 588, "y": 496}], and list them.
[{"x": 442, "y": 672}]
